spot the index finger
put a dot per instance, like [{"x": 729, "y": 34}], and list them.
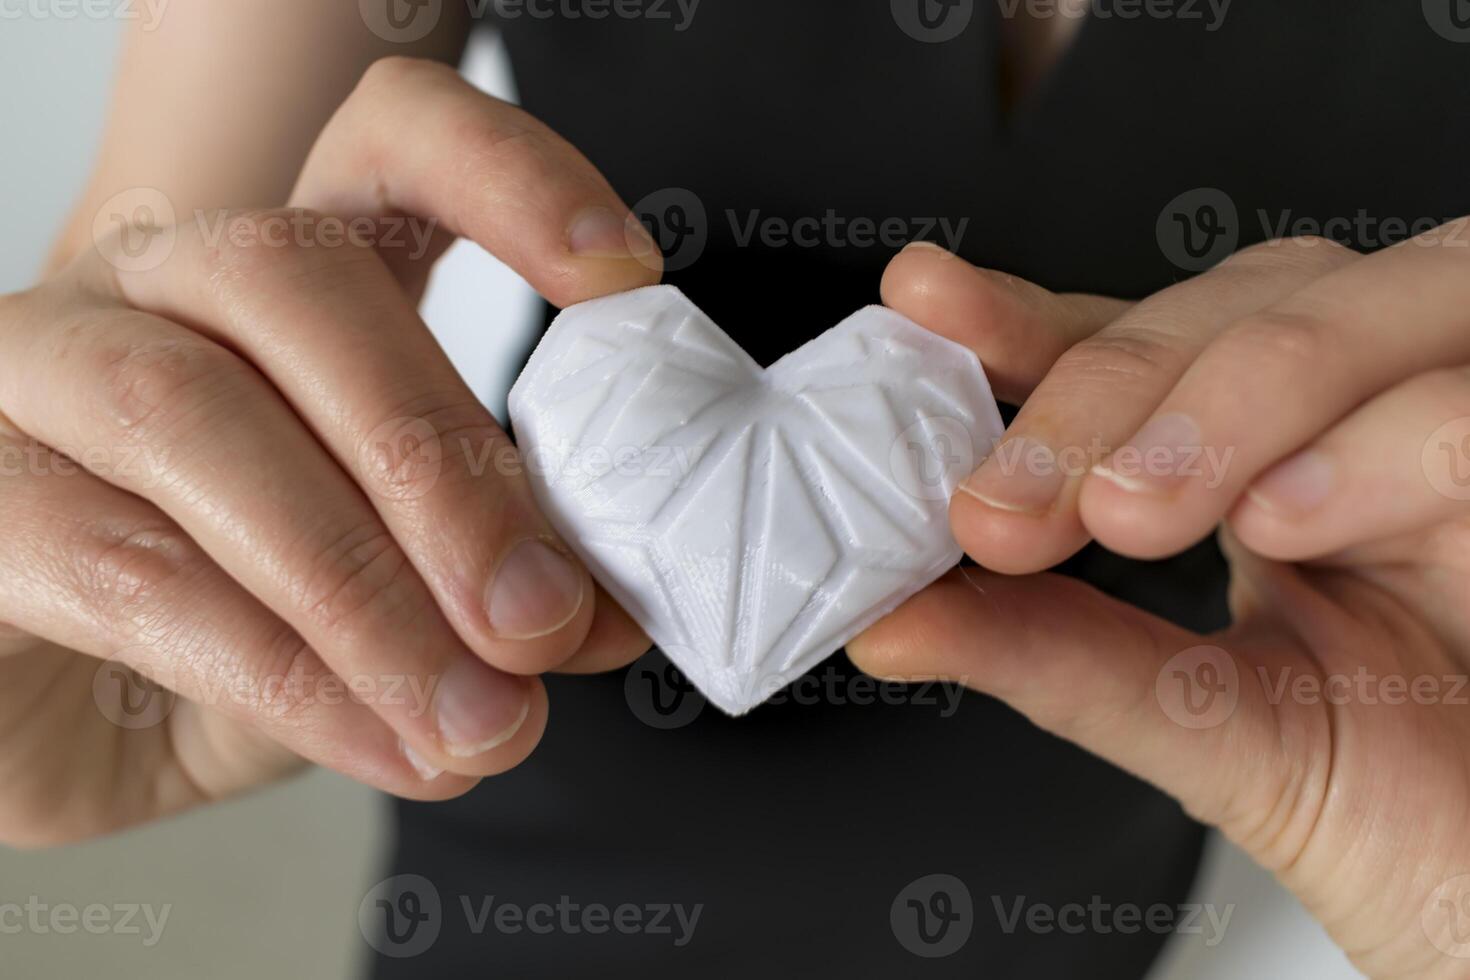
[{"x": 416, "y": 138}]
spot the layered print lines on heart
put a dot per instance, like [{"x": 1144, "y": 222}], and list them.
[{"x": 751, "y": 521}]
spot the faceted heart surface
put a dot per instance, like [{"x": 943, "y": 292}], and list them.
[{"x": 751, "y": 520}]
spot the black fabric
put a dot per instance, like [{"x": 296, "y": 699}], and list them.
[{"x": 797, "y": 826}]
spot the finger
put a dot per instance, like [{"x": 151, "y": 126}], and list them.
[
  {"x": 416, "y": 138},
  {"x": 614, "y": 641},
  {"x": 334, "y": 333},
  {"x": 1019, "y": 513},
  {"x": 1165, "y": 704},
  {"x": 100, "y": 571},
  {"x": 171, "y": 416},
  {"x": 1273, "y": 381},
  {"x": 1016, "y": 328},
  {"x": 1398, "y": 464}
]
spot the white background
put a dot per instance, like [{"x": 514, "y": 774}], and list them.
[{"x": 270, "y": 886}]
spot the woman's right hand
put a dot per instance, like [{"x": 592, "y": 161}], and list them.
[{"x": 234, "y": 461}]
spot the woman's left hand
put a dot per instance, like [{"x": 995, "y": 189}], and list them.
[{"x": 1313, "y": 405}]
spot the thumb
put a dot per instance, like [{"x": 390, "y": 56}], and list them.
[
  {"x": 1018, "y": 329},
  {"x": 1161, "y": 702}
]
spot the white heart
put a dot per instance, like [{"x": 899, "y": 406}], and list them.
[{"x": 751, "y": 521}]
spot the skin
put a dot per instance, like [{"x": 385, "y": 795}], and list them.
[
  {"x": 207, "y": 479},
  {"x": 276, "y": 536},
  {"x": 1327, "y": 373}
]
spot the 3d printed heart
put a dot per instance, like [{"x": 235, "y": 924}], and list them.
[{"x": 751, "y": 520}]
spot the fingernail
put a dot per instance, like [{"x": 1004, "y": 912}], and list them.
[
  {"x": 536, "y": 590},
  {"x": 427, "y": 772},
  {"x": 1158, "y": 458},
  {"x": 1296, "y": 485},
  {"x": 479, "y": 707},
  {"x": 1022, "y": 475},
  {"x": 602, "y": 233}
]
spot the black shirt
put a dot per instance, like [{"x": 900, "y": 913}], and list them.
[{"x": 1158, "y": 145}]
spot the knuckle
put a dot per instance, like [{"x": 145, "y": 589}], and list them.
[
  {"x": 362, "y": 582},
  {"x": 1120, "y": 354},
  {"x": 129, "y": 571},
  {"x": 406, "y": 457},
  {"x": 286, "y": 678},
  {"x": 281, "y": 251},
  {"x": 394, "y": 72},
  {"x": 1278, "y": 337},
  {"x": 151, "y": 386},
  {"x": 1304, "y": 254}
]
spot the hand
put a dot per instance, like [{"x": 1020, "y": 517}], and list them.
[
  {"x": 248, "y": 472},
  {"x": 1313, "y": 404}
]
